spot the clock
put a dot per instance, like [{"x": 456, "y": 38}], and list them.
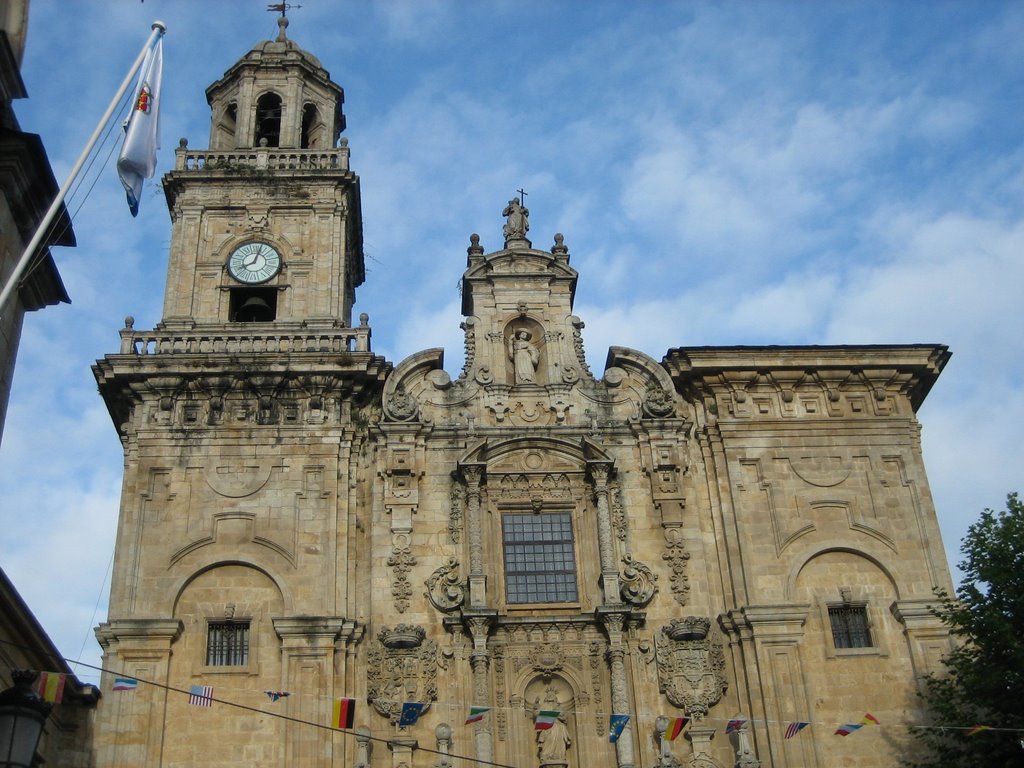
[{"x": 254, "y": 263}]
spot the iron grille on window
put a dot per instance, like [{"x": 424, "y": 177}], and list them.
[
  {"x": 227, "y": 644},
  {"x": 850, "y": 626},
  {"x": 540, "y": 565}
]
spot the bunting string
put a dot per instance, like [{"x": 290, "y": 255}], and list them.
[{"x": 124, "y": 684}]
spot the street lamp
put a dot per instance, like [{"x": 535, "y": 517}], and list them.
[{"x": 22, "y": 715}]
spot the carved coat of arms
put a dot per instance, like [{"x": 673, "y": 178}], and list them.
[
  {"x": 402, "y": 667},
  {"x": 691, "y": 665}
]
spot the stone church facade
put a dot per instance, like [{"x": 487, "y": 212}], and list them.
[{"x": 730, "y": 533}]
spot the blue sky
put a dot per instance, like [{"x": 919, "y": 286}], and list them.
[{"x": 724, "y": 173}]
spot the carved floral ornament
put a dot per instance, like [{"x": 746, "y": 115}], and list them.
[
  {"x": 402, "y": 667},
  {"x": 691, "y": 665},
  {"x": 658, "y": 403}
]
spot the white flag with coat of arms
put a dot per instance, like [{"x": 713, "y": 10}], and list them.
[{"x": 137, "y": 160}]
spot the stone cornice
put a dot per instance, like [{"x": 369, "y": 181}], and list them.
[
  {"x": 911, "y": 369},
  {"x": 776, "y": 621}
]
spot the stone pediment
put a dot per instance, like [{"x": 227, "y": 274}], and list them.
[
  {"x": 634, "y": 386},
  {"x": 535, "y": 454},
  {"x": 521, "y": 261}
]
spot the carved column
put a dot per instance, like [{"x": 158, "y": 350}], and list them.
[
  {"x": 609, "y": 571},
  {"x": 474, "y": 475},
  {"x": 480, "y": 661},
  {"x": 616, "y": 654}
]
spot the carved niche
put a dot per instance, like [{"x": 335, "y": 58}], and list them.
[
  {"x": 402, "y": 667},
  {"x": 691, "y": 665}
]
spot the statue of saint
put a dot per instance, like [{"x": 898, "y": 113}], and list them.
[
  {"x": 516, "y": 224},
  {"x": 524, "y": 356},
  {"x": 553, "y": 744}
]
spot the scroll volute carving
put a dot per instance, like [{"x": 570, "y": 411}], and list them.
[
  {"x": 637, "y": 582},
  {"x": 446, "y": 589}
]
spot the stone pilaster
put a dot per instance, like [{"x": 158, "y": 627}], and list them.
[
  {"x": 132, "y": 733},
  {"x": 927, "y": 637},
  {"x": 308, "y": 648},
  {"x": 474, "y": 475},
  {"x": 769, "y": 637}
]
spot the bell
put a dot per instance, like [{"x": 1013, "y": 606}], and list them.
[{"x": 254, "y": 310}]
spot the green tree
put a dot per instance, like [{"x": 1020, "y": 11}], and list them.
[{"x": 983, "y": 681}]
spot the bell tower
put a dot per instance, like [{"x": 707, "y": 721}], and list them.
[
  {"x": 242, "y": 415},
  {"x": 266, "y": 222}
]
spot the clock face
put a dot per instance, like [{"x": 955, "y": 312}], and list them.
[{"x": 254, "y": 263}]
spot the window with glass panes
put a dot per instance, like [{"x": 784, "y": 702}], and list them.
[
  {"x": 540, "y": 563},
  {"x": 850, "y": 626},
  {"x": 227, "y": 643}
]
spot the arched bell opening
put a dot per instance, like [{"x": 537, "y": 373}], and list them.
[
  {"x": 268, "y": 120},
  {"x": 312, "y": 128},
  {"x": 225, "y": 129}
]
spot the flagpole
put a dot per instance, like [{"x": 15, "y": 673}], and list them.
[{"x": 158, "y": 30}]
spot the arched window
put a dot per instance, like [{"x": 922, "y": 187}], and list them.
[
  {"x": 268, "y": 120},
  {"x": 312, "y": 129}
]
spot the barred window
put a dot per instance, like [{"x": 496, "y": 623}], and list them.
[
  {"x": 540, "y": 563},
  {"x": 227, "y": 644},
  {"x": 850, "y": 626}
]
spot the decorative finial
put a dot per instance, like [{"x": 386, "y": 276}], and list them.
[
  {"x": 475, "y": 249},
  {"x": 559, "y": 247}
]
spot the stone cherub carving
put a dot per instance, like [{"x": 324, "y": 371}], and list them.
[
  {"x": 524, "y": 356},
  {"x": 516, "y": 224}
]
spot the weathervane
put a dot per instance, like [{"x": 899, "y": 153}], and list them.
[{"x": 282, "y": 7}]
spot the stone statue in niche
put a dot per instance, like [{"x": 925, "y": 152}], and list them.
[
  {"x": 524, "y": 356},
  {"x": 553, "y": 742},
  {"x": 516, "y": 224}
]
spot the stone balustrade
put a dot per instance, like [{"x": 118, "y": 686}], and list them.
[
  {"x": 262, "y": 159},
  {"x": 245, "y": 341}
]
